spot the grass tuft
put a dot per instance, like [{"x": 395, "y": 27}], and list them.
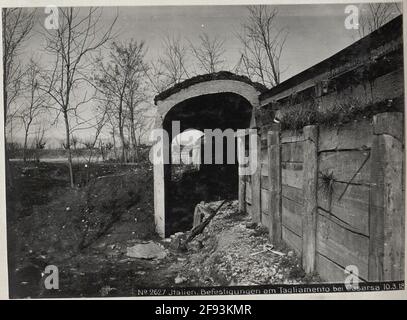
[{"x": 298, "y": 116}]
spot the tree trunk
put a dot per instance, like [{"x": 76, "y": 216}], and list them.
[
  {"x": 121, "y": 131},
  {"x": 25, "y": 146},
  {"x": 123, "y": 155},
  {"x": 9, "y": 170},
  {"x": 133, "y": 138},
  {"x": 68, "y": 148},
  {"x": 114, "y": 144}
]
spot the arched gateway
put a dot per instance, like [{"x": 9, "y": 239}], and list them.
[{"x": 214, "y": 101}]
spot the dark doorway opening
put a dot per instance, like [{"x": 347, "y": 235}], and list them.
[{"x": 186, "y": 187}]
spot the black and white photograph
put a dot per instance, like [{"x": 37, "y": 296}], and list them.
[{"x": 203, "y": 150}]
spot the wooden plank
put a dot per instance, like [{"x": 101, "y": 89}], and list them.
[
  {"x": 309, "y": 213},
  {"x": 342, "y": 246},
  {"x": 265, "y": 195},
  {"x": 264, "y": 170},
  {"x": 248, "y": 208},
  {"x": 292, "y": 152},
  {"x": 256, "y": 205},
  {"x": 330, "y": 271},
  {"x": 292, "y": 215},
  {"x": 290, "y": 136},
  {"x": 265, "y": 220},
  {"x": 353, "y": 135},
  {"x": 394, "y": 214},
  {"x": 264, "y": 182},
  {"x": 248, "y": 192},
  {"x": 292, "y": 175},
  {"x": 293, "y": 194},
  {"x": 352, "y": 208},
  {"x": 264, "y": 156},
  {"x": 293, "y": 240},
  {"x": 345, "y": 165},
  {"x": 275, "y": 202},
  {"x": 242, "y": 177},
  {"x": 389, "y": 123},
  {"x": 386, "y": 258},
  {"x": 159, "y": 199}
]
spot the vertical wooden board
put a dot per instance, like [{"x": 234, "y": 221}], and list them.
[
  {"x": 263, "y": 143},
  {"x": 394, "y": 210},
  {"x": 159, "y": 199},
  {"x": 248, "y": 193},
  {"x": 248, "y": 208},
  {"x": 292, "y": 175},
  {"x": 386, "y": 253},
  {"x": 264, "y": 182},
  {"x": 345, "y": 165},
  {"x": 242, "y": 177},
  {"x": 294, "y": 194},
  {"x": 342, "y": 246},
  {"x": 376, "y": 209},
  {"x": 290, "y": 136},
  {"x": 265, "y": 201},
  {"x": 389, "y": 123},
  {"x": 353, "y": 135},
  {"x": 352, "y": 207},
  {"x": 292, "y": 215},
  {"x": 329, "y": 271},
  {"x": 265, "y": 220},
  {"x": 292, "y": 152},
  {"x": 256, "y": 196},
  {"x": 310, "y": 185},
  {"x": 293, "y": 240},
  {"x": 264, "y": 155},
  {"x": 264, "y": 170},
  {"x": 274, "y": 175}
]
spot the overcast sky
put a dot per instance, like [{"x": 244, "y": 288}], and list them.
[{"x": 315, "y": 32}]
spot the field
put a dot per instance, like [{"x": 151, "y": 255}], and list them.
[
  {"x": 50, "y": 223},
  {"x": 86, "y": 233}
]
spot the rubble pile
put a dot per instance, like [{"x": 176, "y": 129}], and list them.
[{"x": 232, "y": 251}]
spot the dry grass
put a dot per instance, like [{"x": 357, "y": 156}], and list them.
[{"x": 296, "y": 117}]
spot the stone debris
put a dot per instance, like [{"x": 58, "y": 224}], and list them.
[
  {"x": 232, "y": 250},
  {"x": 179, "y": 279},
  {"x": 150, "y": 250}
]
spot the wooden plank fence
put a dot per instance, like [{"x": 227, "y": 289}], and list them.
[{"x": 334, "y": 195}]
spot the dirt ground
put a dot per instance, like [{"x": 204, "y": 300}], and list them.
[{"x": 86, "y": 232}]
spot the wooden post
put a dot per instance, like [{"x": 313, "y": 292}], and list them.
[
  {"x": 274, "y": 166},
  {"x": 241, "y": 151},
  {"x": 256, "y": 191},
  {"x": 160, "y": 157},
  {"x": 309, "y": 216},
  {"x": 386, "y": 246}
]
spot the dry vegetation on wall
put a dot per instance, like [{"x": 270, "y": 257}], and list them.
[{"x": 308, "y": 113}]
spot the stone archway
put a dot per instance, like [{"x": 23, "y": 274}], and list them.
[{"x": 216, "y": 101}]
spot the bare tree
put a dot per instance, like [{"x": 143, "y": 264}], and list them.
[
  {"x": 119, "y": 81},
  {"x": 34, "y": 102},
  {"x": 374, "y": 15},
  {"x": 170, "y": 68},
  {"x": 17, "y": 24},
  {"x": 39, "y": 143},
  {"x": 90, "y": 143},
  {"x": 79, "y": 35},
  {"x": 209, "y": 53},
  {"x": 262, "y": 45}
]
